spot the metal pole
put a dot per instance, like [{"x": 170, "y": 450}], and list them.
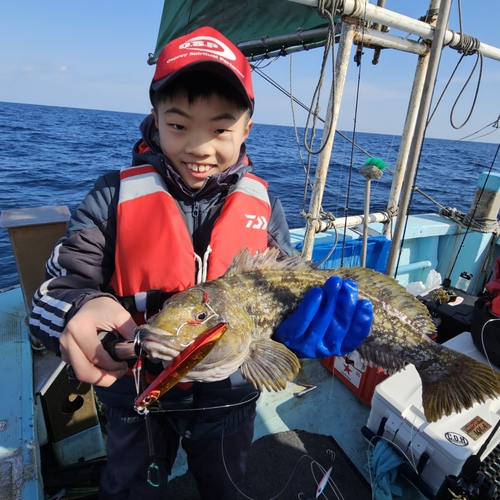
[
  {"x": 353, "y": 220},
  {"x": 408, "y": 130},
  {"x": 406, "y": 139},
  {"x": 423, "y": 112},
  {"x": 365, "y": 222},
  {"x": 398, "y": 21},
  {"x": 341, "y": 65}
]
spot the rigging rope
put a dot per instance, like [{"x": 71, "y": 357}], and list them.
[
  {"x": 329, "y": 45},
  {"x": 348, "y": 194},
  {"x": 327, "y": 11},
  {"x": 495, "y": 124},
  {"x": 482, "y": 225},
  {"x": 466, "y": 46}
]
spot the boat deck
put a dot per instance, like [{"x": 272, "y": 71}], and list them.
[
  {"x": 18, "y": 450},
  {"x": 331, "y": 409}
]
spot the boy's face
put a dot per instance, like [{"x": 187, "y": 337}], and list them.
[{"x": 202, "y": 138}]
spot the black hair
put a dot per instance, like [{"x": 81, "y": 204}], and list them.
[{"x": 197, "y": 85}]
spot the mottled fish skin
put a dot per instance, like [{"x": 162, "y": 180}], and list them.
[{"x": 257, "y": 294}]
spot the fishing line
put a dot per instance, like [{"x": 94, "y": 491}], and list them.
[
  {"x": 413, "y": 433},
  {"x": 362, "y": 23},
  {"x": 306, "y": 167},
  {"x": 492, "y": 320},
  {"x": 329, "y": 480},
  {"x": 392, "y": 444},
  {"x": 286, "y": 484},
  {"x": 495, "y": 372},
  {"x": 331, "y": 453},
  {"x": 154, "y": 409}
]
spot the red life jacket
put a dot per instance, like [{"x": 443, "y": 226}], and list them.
[{"x": 154, "y": 249}]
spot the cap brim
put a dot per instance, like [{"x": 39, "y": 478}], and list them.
[{"x": 215, "y": 67}]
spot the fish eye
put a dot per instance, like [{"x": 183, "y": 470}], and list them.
[{"x": 201, "y": 316}]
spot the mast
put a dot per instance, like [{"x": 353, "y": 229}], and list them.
[
  {"x": 418, "y": 136},
  {"x": 415, "y": 124},
  {"x": 409, "y": 127},
  {"x": 332, "y": 115}
]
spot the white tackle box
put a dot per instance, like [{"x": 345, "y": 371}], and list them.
[{"x": 436, "y": 449}]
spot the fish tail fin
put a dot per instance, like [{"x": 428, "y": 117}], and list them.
[{"x": 456, "y": 383}]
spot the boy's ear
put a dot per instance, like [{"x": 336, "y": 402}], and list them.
[
  {"x": 248, "y": 127},
  {"x": 153, "y": 112}
]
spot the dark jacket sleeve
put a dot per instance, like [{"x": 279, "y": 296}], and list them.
[{"x": 81, "y": 264}]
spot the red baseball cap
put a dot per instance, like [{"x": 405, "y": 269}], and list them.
[{"x": 204, "y": 49}]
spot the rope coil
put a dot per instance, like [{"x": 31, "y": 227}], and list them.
[
  {"x": 468, "y": 45},
  {"x": 328, "y": 7},
  {"x": 483, "y": 224}
]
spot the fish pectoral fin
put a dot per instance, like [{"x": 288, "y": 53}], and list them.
[{"x": 270, "y": 364}]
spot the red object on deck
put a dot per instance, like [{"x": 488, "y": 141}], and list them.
[{"x": 361, "y": 381}]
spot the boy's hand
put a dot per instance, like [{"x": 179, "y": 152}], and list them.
[
  {"x": 330, "y": 321},
  {"x": 81, "y": 347}
]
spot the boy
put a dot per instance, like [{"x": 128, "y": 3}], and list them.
[{"x": 175, "y": 218}]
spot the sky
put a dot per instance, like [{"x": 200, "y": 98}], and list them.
[{"x": 93, "y": 54}]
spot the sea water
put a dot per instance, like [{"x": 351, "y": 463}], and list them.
[{"x": 52, "y": 156}]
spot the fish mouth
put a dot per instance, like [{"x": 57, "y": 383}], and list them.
[
  {"x": 159, "y": 351},
  {"x": 148, "y": 331},
  {"x": 159, "y": 343}
]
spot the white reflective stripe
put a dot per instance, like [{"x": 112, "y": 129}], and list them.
[
  {"x": 43, "y": 289},
  {"x": 205, "y": 263},
  {"x": 140, "y": 301},
  {"x": 141, "y": 185},
  {"x": 55, "y": 303},
  {"x": 253, "y": 188},
  {"x": 53, "y": 266},
  {"x": 201, "y": 276},
  {"x": 49, "y": 316},
  {"x": 46, "y": 328},
  {"x": 198, "y": 260}
]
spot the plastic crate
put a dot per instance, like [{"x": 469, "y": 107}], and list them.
[{"x": 348, "y": 253}]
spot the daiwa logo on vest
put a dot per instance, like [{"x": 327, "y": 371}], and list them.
[
  {"x": 209, "y": 44},
  {"x": 256, "y": 222}
]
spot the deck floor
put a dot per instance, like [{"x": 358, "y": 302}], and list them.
[{"x": 331, "y": 409}]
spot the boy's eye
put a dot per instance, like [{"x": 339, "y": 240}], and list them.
[
  {"x": 176, "y": 126},
  {"x": 221, "y": 130}
]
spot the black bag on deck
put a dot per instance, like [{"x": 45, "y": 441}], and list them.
[{"x": 490, "y": 336}]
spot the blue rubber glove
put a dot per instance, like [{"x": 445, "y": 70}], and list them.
[{"x": 330, "y": 321}]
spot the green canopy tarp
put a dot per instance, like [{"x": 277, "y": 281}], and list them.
[{"x": 243, "y": 21}]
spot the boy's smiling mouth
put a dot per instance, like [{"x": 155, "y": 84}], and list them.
[{"x": 198, "y": 168}]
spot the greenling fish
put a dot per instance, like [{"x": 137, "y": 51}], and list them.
[{"x": 256, "y": 294}]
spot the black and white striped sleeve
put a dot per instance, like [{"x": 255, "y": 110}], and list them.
[{"x": 80, "y": 265}]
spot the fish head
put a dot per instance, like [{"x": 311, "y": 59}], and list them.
[{"x": 184, "y": 317}]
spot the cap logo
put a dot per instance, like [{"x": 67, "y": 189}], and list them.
[{"x": 209, "y": 44}]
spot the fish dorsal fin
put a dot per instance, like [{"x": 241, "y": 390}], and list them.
[{"x": 265, "y": 260}]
